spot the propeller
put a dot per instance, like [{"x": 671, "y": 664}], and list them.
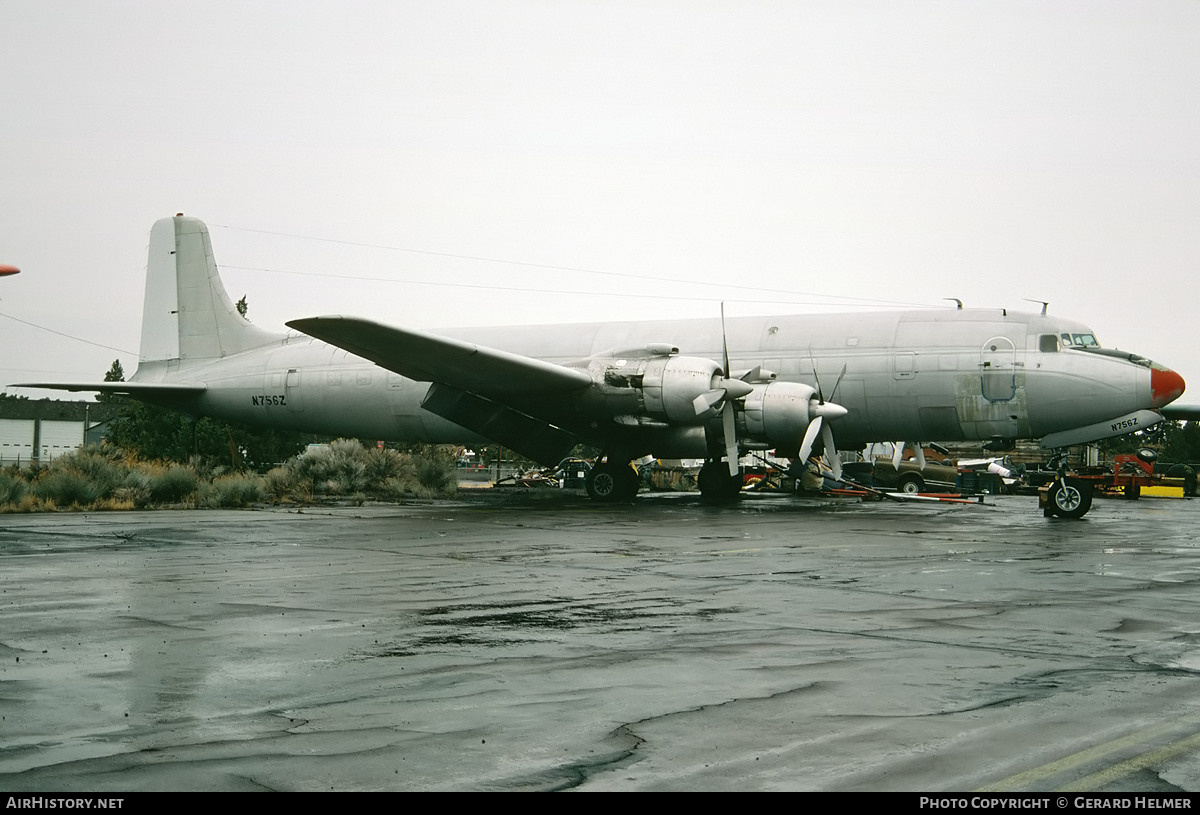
[
  {"x": 820, "y": 413},
  {"x": 726, "y": 390}
]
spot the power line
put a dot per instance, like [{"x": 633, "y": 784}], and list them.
[
  {"x": 552, "y": 267},
  {"x": 68, "y": 336},
  {"x": 860, "y": 301},
  {"x": 534, "y": 290}
]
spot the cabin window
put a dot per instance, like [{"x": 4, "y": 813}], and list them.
[{"x": 1048, "y": 343}]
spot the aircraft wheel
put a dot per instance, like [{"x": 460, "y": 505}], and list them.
[
  {"x": 1187, "y": 473},
  {"x": 611, "y": 482},
  {"x": 1070, "y": 500},
  {"x": 911, "y": 484},
  {"x": 717, "y": 486}
]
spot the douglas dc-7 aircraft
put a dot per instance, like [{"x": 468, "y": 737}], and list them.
[{"x": 755, "y": 383}]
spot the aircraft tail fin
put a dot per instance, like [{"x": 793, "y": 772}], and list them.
[{"x": 187, "y": 314}]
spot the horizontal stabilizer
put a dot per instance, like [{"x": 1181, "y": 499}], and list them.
[
  {"x": 431, "y": 358},
  {"x": 138, "y": 390}
]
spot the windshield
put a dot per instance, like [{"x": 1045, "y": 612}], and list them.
[{"x": 1080, "y": 341}]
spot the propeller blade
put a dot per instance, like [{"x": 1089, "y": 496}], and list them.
[
  {"x": 831, "y": 454},
  {"x": 724, "y": 342},
  {"x": 820, "y": 393},
  {"x": 731, "y": 389},
  {"x": 810, "y": 438},
  {"x": 833, "y": 393},
  {"x": 708, "y": 400},
  {"x": 729, "y": 430}
]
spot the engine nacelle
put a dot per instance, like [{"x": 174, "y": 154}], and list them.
[
  {"x": 672, "y": 385},
  {"x": 778, "y": 413},
  {"x": 654, "y": 390}
]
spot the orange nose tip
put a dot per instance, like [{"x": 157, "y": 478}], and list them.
[{"x": 1165, "y": 386}]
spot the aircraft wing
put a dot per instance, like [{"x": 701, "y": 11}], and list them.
[
  {"x": 425, "y": 357},
  {"x": 1189, "y": 413}
]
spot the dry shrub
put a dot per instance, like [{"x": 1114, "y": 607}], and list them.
[{"x": 232, "y": 491}]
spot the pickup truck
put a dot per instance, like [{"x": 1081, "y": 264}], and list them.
[
  {"x": 909, "y": 477},
  {"x": 935, "y": 476}
]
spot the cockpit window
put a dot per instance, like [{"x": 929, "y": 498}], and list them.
[
  {"x": 1048, "y": 343},
  {"x": 1080, "y": 341}
]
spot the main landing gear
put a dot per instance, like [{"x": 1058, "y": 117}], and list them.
[
  {"x": 612, "y": 482},
  {"x": 717, "y": 486}
]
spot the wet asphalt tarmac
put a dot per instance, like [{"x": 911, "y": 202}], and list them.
[{"x": 539, "y": 642}]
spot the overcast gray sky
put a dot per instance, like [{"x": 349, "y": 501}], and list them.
[{"x": 527, "y": 161}]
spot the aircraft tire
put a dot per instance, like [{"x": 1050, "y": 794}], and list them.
[
  {"x": 717, "y": 486},
  {"x": 1187, "y": 473},
  {"x": 1071, "y": 500},
  {"x": 911, "y": 484},
  {"x": 611, "y": 483}
]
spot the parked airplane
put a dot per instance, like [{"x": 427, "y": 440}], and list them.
[{"x": 755, "y": 383}]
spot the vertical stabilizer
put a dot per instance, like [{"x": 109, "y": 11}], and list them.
[{"x": 187, "y": 315}]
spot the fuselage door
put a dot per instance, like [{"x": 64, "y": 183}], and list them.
[
  {"x": 291, "y": 388},
  {"x": 998, "y": 369},
  {"x": 904, "y": 365}
]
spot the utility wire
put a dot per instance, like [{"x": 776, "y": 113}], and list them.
[
  {"x": 551, "y": 267},
  {"x": 530, "y": 289},
  {"x": 860, "y": 301},
  {"x": 68, "y": 336}
]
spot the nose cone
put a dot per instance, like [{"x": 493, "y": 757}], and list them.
[
  {"x": 828, "y": 410},
  {"x": 1165, "y": 385}
]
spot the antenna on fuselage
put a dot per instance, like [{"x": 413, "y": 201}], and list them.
[
  {"x": 1045, "y": 304},
  {"x": 956, "y": 300}
]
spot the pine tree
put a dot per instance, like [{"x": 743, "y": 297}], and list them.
[{"x": 116, "y": 373}]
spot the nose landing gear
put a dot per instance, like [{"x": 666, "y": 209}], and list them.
[{"x": 1065, "y": 497}]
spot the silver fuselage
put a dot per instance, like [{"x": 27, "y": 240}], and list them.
[{"x": 940, "y": 375}]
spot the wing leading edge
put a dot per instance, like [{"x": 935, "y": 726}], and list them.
[{"x": 489, "y": 372}]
